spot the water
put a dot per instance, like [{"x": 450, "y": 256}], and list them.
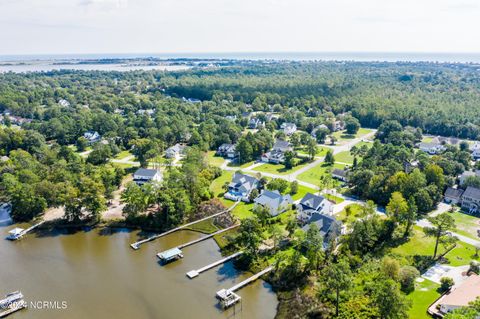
[
  {"x": 42, "y": 66},
  {"x": 98, "y": 275}
]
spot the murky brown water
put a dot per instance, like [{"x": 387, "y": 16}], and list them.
[{"x": 100, "y": 276}]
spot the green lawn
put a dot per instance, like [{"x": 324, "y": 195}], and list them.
[
  {"x": 206, "y": 227},
  {"x": 344, "y": 157},
  {"x": 360, "y": 144},
  {"x": 421, "y": 245},
  {"x": 125, "y": 165},
  {"x": 313, "y": 175},
  {"x": 333, "y": 198},
  {"x": 342, "y": 135},
  {"x": 217, "y": 185},
  {"x": 231, "y": 164},
  {"x": 467, "y": 225},
  {"x": 123, "y": 155},
  {"x": 215, "y": 160},
  {"x": 302, "y": 190},
  {"x": 321, "y": 151},
  {"x": 278, "y": 169},
  {"x": 243, "y": 210},
  {"x": 355, "y": 210},
  {"x": 426, "y": 139},
  {"x": 424, "y": 295}
]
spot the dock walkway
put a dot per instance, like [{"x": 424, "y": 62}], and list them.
[
  {"x": 194, "y": 273},
  {"x": 137, "y": 244},
  {"x": 18, "y": 233}
]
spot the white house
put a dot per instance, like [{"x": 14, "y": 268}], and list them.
[
  {"x": 175, "y": 151},
  {"x": 92, "y": 136},
  {"x": 241, "y": 186},
  {"x": 433, "y": 147},
  {"x": 277, "y": 154},
  {"x": 146, "y": 175},
  {"x": 64, "y": 103},
  {"x": 227, "y": 150},
  {"x": 313, "y": 204},
  {"x": 475, "y": 150},
  {"x": 340, "y": 174},
  {"x": 288, "y": 128},
  {"x": 273, "y": 201}
]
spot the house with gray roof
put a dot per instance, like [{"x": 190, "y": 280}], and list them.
[
  {"x": 277, "y": 154},
  {"x": 340, "y": 174},
  {"x": 435, "y": 146},
  {"x": 288, "y": 128},
  {"x": 313, "y": 204},
  {"x": 462, "y": 178},
  {"x": 175, "y": 151},
  {"x": 146, "y": 175},
  {"x": 453, "y": 195},
  {"x": 241, "y": 186},
  {"x": 330, "y": 228},
  {"x": 255, "y": 123},
  {"x": 273, "y": 201},
  {"x": 227, "y": 150},
  {"x": 471, "y": 199}
]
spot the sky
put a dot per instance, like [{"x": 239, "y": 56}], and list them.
[{"x": 202, "y": 26}]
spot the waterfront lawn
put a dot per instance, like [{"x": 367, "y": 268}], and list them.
[
  {"x": 343, "y": 136},
  {"x": 243, "y": 210},
  {"x": 214, "y": 160},
  {"x": 278, "y": 169},
  {"x": 217, "y": 185},
  {"x": 206, "y": 227},
  {"x": 423, "y": 247},
  {"x": 467, "y": 225},
  {"x": 313, "y": 175},
  {"x": 344, "y": 157},
  {"x": 424, "y": 295}
]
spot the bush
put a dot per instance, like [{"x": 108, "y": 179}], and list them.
[
  {"x": 407, "y": 278},
  {"x": 474, "y": 267},
  {"x": 446, "y": 284}
]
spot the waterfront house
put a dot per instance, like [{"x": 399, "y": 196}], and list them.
[
  {"x": 273, "y": 201},
  {"x": 462, "y": 178},
  {"x": 277, "y": 154},
  {"x": 175, "y": 151},
  {"x": 330, "y": 228},
  {"x": 313, "y": 204},
  {"x": 92, "y": 136},
  {"x": 241, "y": 186},
  {"x": 288, "y": 128},
  {"x": 453, "y": 195},
  {"x": 146, "y": 175},
  {"x": 471, "y": 199},
  {"x": 227, "y": 150}
]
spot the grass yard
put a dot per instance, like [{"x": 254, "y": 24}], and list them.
[
  {"x": 313, "y": 175},
  {"x": 321, "y": 151},
  {"x": 467, "y": 225},
  {"x": 421, "y": 245},
  {"x": 333, "y": 198},
  {"x": 278, "y": 169},
  {"x": 427, "y": 139},
  {"x": 355, "y": 210},
  {"x": 217, "y": 185},
  {"x": 231, "y": 164},
  {"x": 123, "y": 154},
  {"x": 215, "y": 160},
  {"x": 243, "y": 210},
  {"x": 424, "y": 295},
  {"x": 342, "y": 135},
  {"x": 125, "y": 165},
  {"x": 206, "y": 227},
  {"x": 302, "y": 190},
  {"x": 344, "y": 157}
]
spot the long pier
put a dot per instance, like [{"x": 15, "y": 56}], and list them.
[
  {"x": 137, "y": 244},
  {"x": 228, "y": 297},
  {"x": 18, "y": 233},
  {"x": 194, "y": 273},
  {"x": 193, "y": 242}
]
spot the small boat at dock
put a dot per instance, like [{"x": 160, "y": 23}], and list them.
[{"x": 12, "y": 302}]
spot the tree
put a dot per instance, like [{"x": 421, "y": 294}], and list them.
[
  {"x": 289, "y": 159},
  {"x": 391, "y": 303},
  {"x": 397, "y": 207},
  {"x": 337, "y": 277},
  {"x": 446, "y": 283},
  {"x": 440, "y": 230},
  {"x": 81, "y": 144},
  {"x": 407, "y": 277},
  {"x": 250, "y": 236},
  {"x": 253, "y": 194},
  {"x": 321, "y": 135},
  {"x": 352, "y": 125},
  {"x": 333, "y": 139},
  {"x": 313, "y": 243},
  {"x": 293, "y": 188},
  {"x": 311, "y": 148},
  {"x": 245, "y": 151},
  {"x": 278, "y": 184},
  {"x": 329, "y": 159}
]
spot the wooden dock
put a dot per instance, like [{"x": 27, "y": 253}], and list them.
[
  {"x": 193, "y": 242},
  {"x": 228, "y": 297},
  {"x": 194, "y": 273},
  {"x": 137, "y": 244},
  {"x": 18, "y": 233}
]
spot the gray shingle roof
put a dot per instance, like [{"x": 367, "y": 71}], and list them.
[
  {"x": 453, "y": 192},
  {"x": 312, "y": 201},
  {"x": 472, "y": 192},
  {"x": 272, "y": 199},
  {"x": 146, "y": 172},
  {"x": 326, "y": 224}
]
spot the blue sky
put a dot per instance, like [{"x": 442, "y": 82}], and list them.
[{"x": 176, "y": 26}]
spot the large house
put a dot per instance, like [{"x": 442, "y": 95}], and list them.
[
  {"x": 92, "y": 136},
  {"x": 453, "y": 195},
  {"x": 340, "y": 174},
  {"x": 241, "y": 186},
  {"x": 175, "y": 151},
  {"x": 227, "y": 150},
  {"x": 146, "y": 175},
  {"x": 462, "y": 178},
  {"x": 313, "y": 204},
  {"x": 288, "y": 128},
  {"x": 329, "y": 227},
  {"x": 475, "y": 149},
  {"x": 460, "y": 296},
  {"x": 471, "y": 199},
  {"x": 255, "y": 123},
  {"x": 277, "y": 154},
  {"x": 433, "y": 147},
  {"x": 273, "y": 201}
]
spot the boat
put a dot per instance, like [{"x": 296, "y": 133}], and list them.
[
  {"x": 15, "y": 233},
  {"x": 11, "y": 303}
]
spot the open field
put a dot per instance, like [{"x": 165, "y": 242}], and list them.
[
  {"x": 424, "y": 295},
  {"x": 344, "y": 157},
  {"x": 313, "y": 175},
  {"x": 123, "y": 154},
  {"x": 321, "y": 151},
  {"x": 215, "y": 160},
  {"x": 343, "y": 136},
  {"x": 467, "y": 225}
]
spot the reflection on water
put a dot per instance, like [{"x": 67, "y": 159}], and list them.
[{"x": 100, "y": 276}]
